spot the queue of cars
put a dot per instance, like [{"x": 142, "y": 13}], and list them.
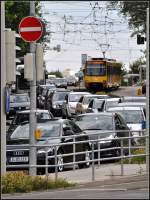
[{"x": 63, "y": 112}]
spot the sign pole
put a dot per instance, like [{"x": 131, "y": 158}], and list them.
[
  {"x": 3, "y": 84},
  {"x": 32, "y": 151},
  {"x": 147, "y": 93}
]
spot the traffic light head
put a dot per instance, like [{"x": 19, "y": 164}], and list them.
[{"x": 140, "y": 40}]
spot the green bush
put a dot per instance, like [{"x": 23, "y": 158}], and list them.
[
  {"x": 136, "y": 160},
  {"x": 21, "y": 182}
]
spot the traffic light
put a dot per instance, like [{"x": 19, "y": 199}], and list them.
[
  {"x": 10, "y": 41},
  {"x": 140, "y": 39},
  {"x": 39, "y": 62},
  {"x": 28, "y": 66}
]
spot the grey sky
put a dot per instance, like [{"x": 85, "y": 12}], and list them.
[{"x": 86, "y": 28}]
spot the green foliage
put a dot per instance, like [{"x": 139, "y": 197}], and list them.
[
  {"x": 15, "y": 11},
  {"x": 136, "y": 160},
  {"x": 134, "y": 67},
  {"x": 123, "y": 70},
  {"x": 57, "y": 73},
  {"x": 14, "y": 182},
  {"x": 135, "y": 12}
]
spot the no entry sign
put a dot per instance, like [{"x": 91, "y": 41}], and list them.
[{"x": 30, "y": 29}]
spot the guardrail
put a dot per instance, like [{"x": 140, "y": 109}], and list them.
[{"x": 91, "y": 151}]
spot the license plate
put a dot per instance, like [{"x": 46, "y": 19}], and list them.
[{"x": 19, "y": 159}]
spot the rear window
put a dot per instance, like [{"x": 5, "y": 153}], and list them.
[{"x": 19, "y": 99}]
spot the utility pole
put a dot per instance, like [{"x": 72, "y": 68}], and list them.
[
  {"x": 147, "y": 93},
  {"x": 3, "y": 84},
  {"x": 32, "y": 152}
]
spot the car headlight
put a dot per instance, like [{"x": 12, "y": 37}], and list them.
[
  {"x": 27, "y": 107},
  {"x": 107, "y": 141},
  {"x": 40, "y": 151},
  {"x": 56, "y": 106},
  {"x": 50, "y": 149}
]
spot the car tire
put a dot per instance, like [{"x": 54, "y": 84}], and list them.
[
  {"x": 60, "y": 161},
  {"x": 87, "y": 157},
  {"x": 117, "y": 152}
]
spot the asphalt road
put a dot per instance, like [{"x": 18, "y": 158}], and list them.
[{"x": 125, "y": 190}]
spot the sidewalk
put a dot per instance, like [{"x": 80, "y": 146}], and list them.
[{"x": 101, "y": 173}]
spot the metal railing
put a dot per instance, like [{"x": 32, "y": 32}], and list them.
[{"x": 92, "y": 151}]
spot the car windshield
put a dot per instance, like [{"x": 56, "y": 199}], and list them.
[
  {"x": 47, "y": 130},
  {"x": 131, "y": 116},
  {"x": 74, "y": 97},
  {"x": 88, "y": 99},
  {"x": 19, "y": 99},
  {"x": 25, "y": 117},
  {"x": 59, "y": 96},
  {"x": 102, "y": 122},
  {"x": 98, "y": 104},
  {"x": 110, "y": 104}
]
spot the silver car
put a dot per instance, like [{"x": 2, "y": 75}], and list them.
[
  {"x": 71, "y": 100},
  {"x": 133, "y": 116}
]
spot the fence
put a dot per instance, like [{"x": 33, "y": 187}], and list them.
[{"x": 51, "y": 151}]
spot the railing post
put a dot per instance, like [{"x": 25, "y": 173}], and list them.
[
  {"x": 56, "y": 167},
  {"x": 122, "y": 157},
  {"x": 74, "y": 150},
  {"x": 46, "y": 163},
  {"x": 99, "y": 153},
  {"x": 129, "y": 147},
  {"x": 93, "y": 167}
]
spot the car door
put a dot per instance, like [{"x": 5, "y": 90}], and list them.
[
  {"x": 64, "y": 106},
  {"x": 67, "y": 148},
  {"x": 121, "y": 125},
  {"x": 79, "y": 146}
]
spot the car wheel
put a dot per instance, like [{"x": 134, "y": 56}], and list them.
[
  {"x": 117, "y": 152},
  {"x": 60, "y": 162},
  {"x": 87, "y": 158}
]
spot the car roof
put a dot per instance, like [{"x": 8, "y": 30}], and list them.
[
  {"x": 132, "y": 104},
  {"x": 124, "y": 108},
  {"x": 133, "y": 97},
  {"x": 37, "y": 110},
  {"x": 101, "y": 113},
  {"x": 82, "y": 93},
  {"x": 113, "y": 99},
  {"x": 19, "y": 94},
  {"x": 62, "y": 90},
  {"x": 95, "y": 95}
]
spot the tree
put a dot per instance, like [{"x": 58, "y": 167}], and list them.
[
  {"x": 134, "y": 67},
  {"x": 57, "y": 73},
  {"x": 14, "y": 12},
  {"x": 123, "y": 70},
  {"x": 135, "y": 12}
]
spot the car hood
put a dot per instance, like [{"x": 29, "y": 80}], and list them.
[
  {"x": 50, "y": 141},
  {"x": 94, "y": 134},
  {"x": 58, "y": 102},
  {"x": 135, "y": 126}
]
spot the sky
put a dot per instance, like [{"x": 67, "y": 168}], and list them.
[{"x": 86, "y": 27}]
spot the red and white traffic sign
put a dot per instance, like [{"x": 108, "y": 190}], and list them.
[{"x": 30, "y": 29}]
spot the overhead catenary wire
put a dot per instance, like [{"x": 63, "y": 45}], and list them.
[{"x": 85, "y": 22}]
